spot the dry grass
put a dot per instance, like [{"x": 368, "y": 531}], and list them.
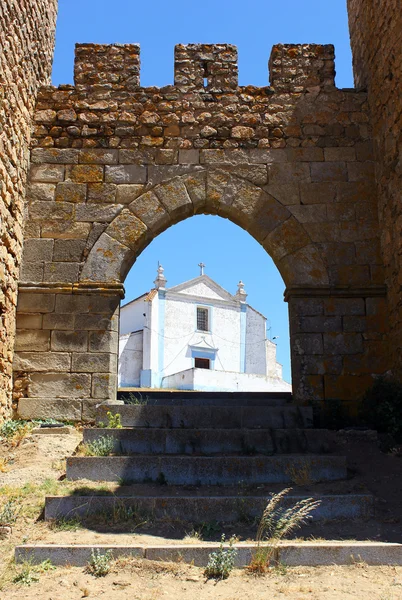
[{"x": 301, "y": 474}]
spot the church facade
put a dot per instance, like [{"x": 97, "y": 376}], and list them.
[{"x": 196, "y": 336}]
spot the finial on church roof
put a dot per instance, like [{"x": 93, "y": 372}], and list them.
[
  {"x": 241, "y": 293},
  {"x": 202, "y": 267},
  {"x": 160, "y": 281}
]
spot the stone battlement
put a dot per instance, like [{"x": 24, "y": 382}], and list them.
[{"x": 204, "y": 67}]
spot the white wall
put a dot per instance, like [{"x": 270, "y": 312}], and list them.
[
  {"x": 130, "y": 359},
  {"x": 180, "y": 333},
  {"x": 131, "y": 315},
  {"x": 256, "y": 356},
  {"x": 204, "y": 380}
]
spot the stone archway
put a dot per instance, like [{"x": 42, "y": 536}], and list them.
[{"x": 114, "y": 164}]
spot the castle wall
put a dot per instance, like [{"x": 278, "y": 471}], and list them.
[
  {"x": 376, "y": 38},
  {"x": 114, "y": 164},
  {"x": 27, "y": 30}
]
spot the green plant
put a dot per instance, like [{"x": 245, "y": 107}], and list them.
[
  {"x": 65, "y": 524},
  {"x": 276, "y": 523},
  {"x": 8, "y": 514},
  {"x": 27, "y": 575},
  {"x": 221, "y": 563},
  {"x": 137, "y": 399},
  {"x": 103, "y": 446},
  {"x": 100, "y": 563},
  {"x": 381, "y": 407},
  {"x": 113, "y": 420}
]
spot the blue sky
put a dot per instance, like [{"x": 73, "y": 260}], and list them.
[{"x": 254, "y": 26}]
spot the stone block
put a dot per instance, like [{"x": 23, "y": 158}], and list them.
[
  {"x": 361, "y": 171},
  {"x": 109, "y": 261},
  {"x": 355, "y": 191},
  {"x": 328, "y": 171},
  {"x": 129, "y": 230},
  {"x": 102, "y": 193},
  {"x": 285, "y": 239},
  {"x": 305, "y": 306},
  {"x": 305, "y": 154},
  {"x": 126, "y": 193},
  {"x": 42, "y": 361},
  {"x": 38, "y": 250},
  {"x": 315, "y": 364},
  {"x": 60, "y": 385},
  {"x": 61, "y": 409},
  {"x": 317, "y": 193},
  {"x": 69, "y": 341},
  {"x": 289, "y": 173},
  {"x": 68, "y": 303},
  {"x": 91, "y": 322},
  {"x": 307, "y": 343},
  {"x": 71, "y": 192},
  {"x": 58, "y": 321},
  {"x": 41, "y": 192},
  {"x": 145, "y": 156},
  {"x": 104, "y": 385},
  {"x": 342, "y": 343},
  {"x": 68, "y": 250},
  {"x": 354, "y": 324},
  {"x": 104, "y": 305},
  {"x": 313, "y": 213},
  {"x": 33, "y": 321},
  {"x": 149, "y": 209},
  {"x": 318, "y": 324},
  {"x": 29, "y": 302},
  {"x": 94, "y": 362},
  {"x": 196, "y": 188},
  {"x": 354, "y": 275},
  {"x": 46, "y": 173},
  {"x": 97, "y": 213},
  {"x": 51, "y": 211},
  {"x": 86, "y": 173},
  {"x": 103, "y": 341},
  {"x": 189, "y": 157},
  {"x": 347, "y": 387},
  {"x": 54, "y": 155},
  {"x": 31, "y": 272},
  {"x": 268, "y": 155},
  {"x": 67, "y": 230},
  {"x": 32, "y": 339},
  {"x": 340, "y": 154},
  {"x": 98, "y": 157},
  {"x": 286, "y": 194},
  {"x": 126, "y": 174},
  {"x": 61, "y": 272},
  {"x": 344, "y": 306}
]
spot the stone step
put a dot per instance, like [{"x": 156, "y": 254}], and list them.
[
  {"x": 204, "y": 509},
  {"x": 143, "y": 440},
  {"x": 210, "y": 417},
  {"x": 289, "y": 553},
  {"x": 198, "y": 398},
  {"x": 208, "y": 470}
]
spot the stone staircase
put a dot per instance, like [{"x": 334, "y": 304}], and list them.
[{"x": 206, "y": 449}]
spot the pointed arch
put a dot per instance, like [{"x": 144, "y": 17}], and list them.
[{"x": 216, "y": 192}]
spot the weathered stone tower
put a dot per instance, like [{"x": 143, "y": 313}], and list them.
[
  {"x": 114, "y": 164},
  {"x": 27, "y": 29}
]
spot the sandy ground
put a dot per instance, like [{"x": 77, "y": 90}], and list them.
[{"x": 153, "y": 581}]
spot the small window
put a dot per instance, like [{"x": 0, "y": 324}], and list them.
[
  {"x": 202, "y": 319},
  {"x": 202, "y": 363}
]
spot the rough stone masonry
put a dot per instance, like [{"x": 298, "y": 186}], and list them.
[{"x": 113, "y": 164}]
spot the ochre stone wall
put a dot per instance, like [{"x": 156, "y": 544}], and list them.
[
  {"x": 376, "y": 37},
  {"x": 26, "y": 37},
  {"x": 114, "y": 164}
]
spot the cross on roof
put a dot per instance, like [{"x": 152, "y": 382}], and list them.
[{"x": 202, "y": 267}]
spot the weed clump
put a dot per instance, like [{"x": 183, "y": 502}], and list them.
[
  {"x": 100, "y": 563},
  {"x": 113, "y": 421},
  {"x": 276, "y": 523},
  {"x": 381, "y": 407},
  {"x": 221, "y": 563},
  {"x": 8, "y": 514},
  {"x": 103, "y": 446}
]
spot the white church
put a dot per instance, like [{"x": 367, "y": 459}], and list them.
[{"x": 196, "y": 336}]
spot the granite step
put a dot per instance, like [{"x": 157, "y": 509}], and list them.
[
  {"x": 143, "y": 440},
  {"x": 208, "y": 470},
  {"x": 204, "y": 509},
  {"x": 199, "y": 398},
  {"x": 210, "y": 417}
]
